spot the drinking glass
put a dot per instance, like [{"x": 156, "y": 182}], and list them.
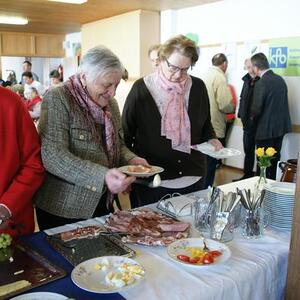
[
  {"x": 221, "y": 226},
  {"x": 253, "y": 222},
  {"x": 201, "y": 214}
]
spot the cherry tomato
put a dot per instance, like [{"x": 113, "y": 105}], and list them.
[
  {"x": 215, "y": 253},
  {"x": 208, "y": 259},
  {"x": 194, "y": 260},
  {"x": 184, "y": 258}
]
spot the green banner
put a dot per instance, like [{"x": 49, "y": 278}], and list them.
[{"x": 284, "y": 56}]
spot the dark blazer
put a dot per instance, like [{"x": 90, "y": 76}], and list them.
[
  {"x": 246, "y": 99},
  {"x": 270, "y": 110},
  {"x": 142, "y": 130}
]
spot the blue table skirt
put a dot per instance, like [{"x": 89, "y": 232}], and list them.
[{"x": 63, "y": 286}]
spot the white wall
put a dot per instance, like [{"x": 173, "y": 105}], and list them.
[
  {"x": 128, "y": 35},
  {"x": 71, "y": 40},
  {"x": 235, "y": 21}
]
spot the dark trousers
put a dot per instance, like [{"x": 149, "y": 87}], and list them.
[
  {"x": 211, "y": 168},
  {"x": 276, "y": 143},
  {"x": 249, "y": 149},
  {"x": 47, "y": 220},
  {"x": 143, "y": 195}
]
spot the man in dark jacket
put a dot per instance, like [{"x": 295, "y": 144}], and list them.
[
  {"x": 246, "y": 99},
  {"x": 269, "y": 110}
]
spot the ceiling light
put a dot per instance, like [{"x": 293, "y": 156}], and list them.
[
  {"x": 70, "y": 1},
  {"x": 13, "y": 20}
]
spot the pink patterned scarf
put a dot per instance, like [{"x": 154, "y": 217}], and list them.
[
  {"x": 95, "y": 114},
  {"x": 175, "y": 122}
]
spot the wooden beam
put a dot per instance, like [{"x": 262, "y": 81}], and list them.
[{"x": 293, "y": 277}]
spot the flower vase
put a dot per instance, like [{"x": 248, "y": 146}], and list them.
[{"x": 262, "y": 180}]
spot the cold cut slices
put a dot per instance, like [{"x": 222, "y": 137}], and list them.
[
  {"x": 81, "y": 233},
  {"x": 147, "y": 227}
]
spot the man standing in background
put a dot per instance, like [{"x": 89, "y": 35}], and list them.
[
  {"x": 220, "y": 104},
  {"x": 246, "y": 99},
  {"x": 26, "y": 66},
  {"x": 269, "y": 110},
  {"x": 31, "y": 83},
  {"x": 153, "y": 55}
]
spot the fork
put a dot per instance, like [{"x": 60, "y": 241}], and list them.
[{"x": 205, "y": 248}]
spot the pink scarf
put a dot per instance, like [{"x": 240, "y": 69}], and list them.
[
  {"x": 95, "y": 114},
  {"x": 175, "y": 122}
]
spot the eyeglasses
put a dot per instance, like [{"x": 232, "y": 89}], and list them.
[{"x": 175, "y": 69}]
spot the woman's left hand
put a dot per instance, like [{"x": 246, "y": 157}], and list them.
[
  {"x": 216, "y": 143},
  {"x": 138, "y": 161}
]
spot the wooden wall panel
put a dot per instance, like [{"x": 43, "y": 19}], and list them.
[
  {"x": 293, "y": 278},
  {"x": 49, "y": 45},
  {"x": 31, "y": 44},
  {"x": 16, "y": 44}
]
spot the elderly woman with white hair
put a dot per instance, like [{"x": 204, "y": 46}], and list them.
[{"x": 82, "y": 144}]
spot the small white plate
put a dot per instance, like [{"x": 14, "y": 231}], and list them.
[
  {"x": 209, "y": 149},
  {"x": 180, "y": 247},
  {"x": 155, "y": 170},
  {"x": 87, "y": 277},
  {"x": 282, "y": 188},
  {"x": 40, "y": 296}
]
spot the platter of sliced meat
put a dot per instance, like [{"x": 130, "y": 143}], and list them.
[
  {"x": 141, "y": 171},
  {"x": 147, "y": 227}
]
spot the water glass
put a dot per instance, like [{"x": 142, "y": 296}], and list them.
[
  {"x": 221, "y": 226},
  {"x": 201, "y": 214},
  {"x": 253, "y": 223}
]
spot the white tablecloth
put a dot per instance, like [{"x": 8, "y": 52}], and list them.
[{"x": 256, "y": 270}]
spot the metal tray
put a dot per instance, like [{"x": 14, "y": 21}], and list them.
[
  {"x": 27, "y": 264},
  {"x": 79, "y": 250}
]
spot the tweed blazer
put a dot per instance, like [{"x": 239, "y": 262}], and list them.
[{"x": 74, "y": 160}]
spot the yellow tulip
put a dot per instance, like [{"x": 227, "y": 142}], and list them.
[
  {"x": 260, "y": 152},
  {"x": 271, "y": 151}
]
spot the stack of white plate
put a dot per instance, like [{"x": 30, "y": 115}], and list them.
[{"x": 279, "y": 204}]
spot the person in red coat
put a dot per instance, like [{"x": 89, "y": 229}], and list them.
[{"x": 21, "y": 169}]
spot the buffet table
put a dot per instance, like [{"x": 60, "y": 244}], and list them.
[{"x": 256, "y": 270}]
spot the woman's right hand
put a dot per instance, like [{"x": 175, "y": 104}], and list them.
[{"x": 118, "y": 182}]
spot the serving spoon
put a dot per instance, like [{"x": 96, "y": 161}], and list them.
[{"x": 152, "y": 184}]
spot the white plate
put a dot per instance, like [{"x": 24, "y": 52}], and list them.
[
  {"x": 155, "y": 170},
  {"x": 209, "y": 149},
  {"x": 40, "y": 296},
  {"x": 179, "y": 247},
  {"x": 87, "y": 277},
  {"x": 282, "y": 188}
]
